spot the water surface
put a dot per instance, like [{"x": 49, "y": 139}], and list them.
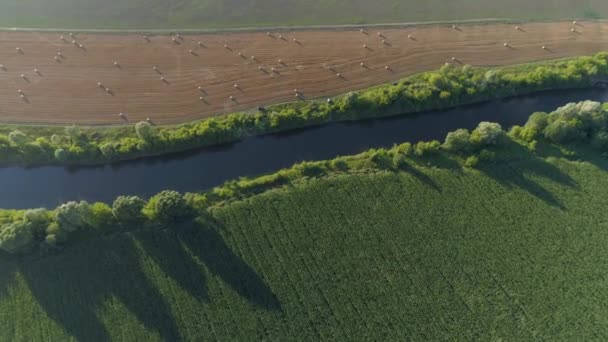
[{"x": 206, "y": 168}]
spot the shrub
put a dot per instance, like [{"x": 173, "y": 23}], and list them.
[
  {"x": 381, "y": 158},
  {"x": 487, "y": 134},
  {"x": 424, "y": 148},
  {"x": 73, "y": 216},
  {"x": 458, "y": 141},
  {"x": 100, "y": 215},
  {"x": 562, "y": 130},
  {"x": 108, "y": 150},
  {"x": 17, "y": 138},
  {"x": 471, "y": 161},
  {"x": 197, "y": 202},
  {"x": 538, "y": 121},
  {"x": 61, "y": 154},
  {"x": 73, "y": 133},
  {"x": 399, "y": 160},
  {"x": 144, "y": 131},
  {"x": 128, "y": 208},
  {"x": 16, "y": 237},
  {"x": 168, "y": 206}
]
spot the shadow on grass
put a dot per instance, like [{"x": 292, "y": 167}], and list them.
[
  {"x": 76, "y": 285},
  {"x": 421, "y": 176},
  {"x": 204, "y": 240},
  {"x": 7, "y": 274},
  {"x": 517, "y": 168}
]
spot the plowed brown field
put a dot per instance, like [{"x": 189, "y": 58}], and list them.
[{"x": 66, "y": 90}]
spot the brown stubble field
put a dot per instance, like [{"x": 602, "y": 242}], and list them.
[{"x": 65, "y": 90}]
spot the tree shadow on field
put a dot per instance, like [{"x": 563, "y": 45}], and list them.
[
  {"x": 517, "y": 171},
  {"x": 74, "y": 286},
  {"x": 421, "y": 176},
  {"x": 203, "y": 239},
  {"x": 7, "y": 274},
  {"x": 169, "y": 252}
]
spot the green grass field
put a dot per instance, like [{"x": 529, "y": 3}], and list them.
[
  {"x": 515, "y": 250},
  {"x": 240, "y": 13}
]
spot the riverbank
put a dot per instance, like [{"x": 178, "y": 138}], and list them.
[
  {"x": 583, "y": 123},
  {"x": 449, "y": 87}
]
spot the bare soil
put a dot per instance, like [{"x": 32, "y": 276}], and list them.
[{"x": 65, "y": 90}]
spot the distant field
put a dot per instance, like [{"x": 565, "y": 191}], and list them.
[
  {"x": 516, "y": 251},
  {"x": 320, "y": 63},
  {"x": 242, "y": 13}
]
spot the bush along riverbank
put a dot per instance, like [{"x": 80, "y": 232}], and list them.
[
  {"x": 450, "y": 86},
  {"x": 42, "y": 231}
]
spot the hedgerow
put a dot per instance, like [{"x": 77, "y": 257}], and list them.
[{"x": 447, "y": 87}]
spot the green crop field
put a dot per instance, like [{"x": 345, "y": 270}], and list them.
[
  {"x": 513, "y": 250},
  {"x": 242, "y": 13}
]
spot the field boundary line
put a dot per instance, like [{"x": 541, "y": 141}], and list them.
[{"x": 294, "y": 27}]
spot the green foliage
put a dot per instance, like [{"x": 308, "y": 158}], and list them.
[
  {"x": 16, "y": 237},
  {"x": 488, "y": 134},
  {"x": 168, "y": 207},
  {"x": 17, "y": 138},
  {"x": 458, "y": 141},
  {"x": 128, "y": 209},
  {"x": 582, "y": 122},
  {"x": 73, "y": 133},
  {"x": 425, "y": 148},
  {"x": 61, "y": 155},
  {"x": 144, "y": 131},
  {"x": 101, "y": 215},
  {"x": 73, "y": 216},
  {"x": 471, "y": 161}
]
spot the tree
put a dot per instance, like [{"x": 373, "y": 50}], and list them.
[
  {"x": 458, "y": 141},
  {"x": 168, "y": 206},
  {"x": 128, "y": 208},
  {"x": 17, "y": 137},
  {"x": 538, "y": 121},
  {"x": 562, "y": 130},
  {"x": 423, "y": 148},
  {"x": 144, "y": 131},
  {"x": 487, "y": 133},
  {"x": 16, "y": 237},
  {"x": 73, "y": 216}
]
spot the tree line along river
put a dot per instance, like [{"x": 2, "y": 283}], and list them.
[{"x": 199, "y": 170}]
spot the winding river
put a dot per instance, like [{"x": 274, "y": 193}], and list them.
[{"x": 209, "y": 167}]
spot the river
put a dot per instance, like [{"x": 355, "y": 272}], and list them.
[{"x": 209, "y": 167}]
